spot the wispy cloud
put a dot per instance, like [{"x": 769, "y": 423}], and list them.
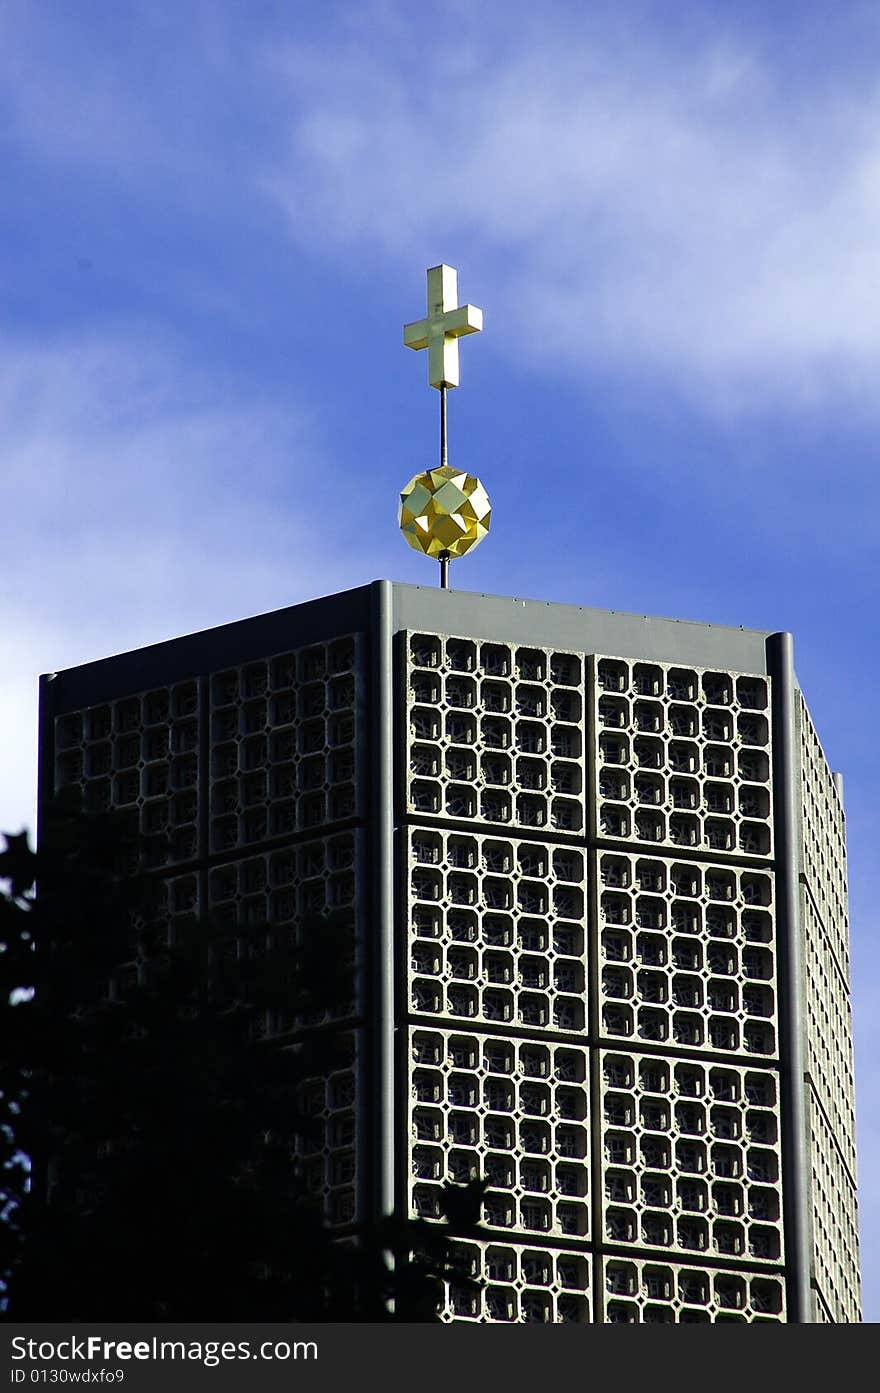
[
  {"x": 140, "y": 504},
  {"x": 676, "y": 198},
  {"x": 636, "y": 203}
]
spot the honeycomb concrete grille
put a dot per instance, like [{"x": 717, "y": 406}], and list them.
[
  {"x": 250, "y": 902},
  {"x": 326, "y": 1147},
  {"x": 835, "y": 1222},
  {"x": 496, "y": 930},
  {"x": 171, "y": 912},
  {"x": 512, "y": 1110},
  {"x": 139, "y": 754},
  {"x": 691, "y": 1157},
  {"x": 687, "y": 954},
  {"x": 282, "y": 753},
  {"x": 495, "y": 733},
  {"x": 283, "y": 735},
  {"x": 646, "y": 1292},
  {"x": 830, "y": 1087},
  {"x": 167, "y": 916},
  {"x": 259, "y": 901},
  {"x": 824, "y": 838},
  {"x": 829, "y": 1035},
  {"x": 529, "y": 1285},
  {"x": 683, "y": 757}
]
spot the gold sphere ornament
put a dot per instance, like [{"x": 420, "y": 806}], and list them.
[{"x": 444, "y": 512}]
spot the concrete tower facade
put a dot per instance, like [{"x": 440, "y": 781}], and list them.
[{"x": 596, "y": 866}]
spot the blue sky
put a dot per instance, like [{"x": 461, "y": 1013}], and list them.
[{"x": 216, "y": 217}]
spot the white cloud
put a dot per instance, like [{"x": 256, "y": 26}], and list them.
[
  {"x": 687, "y": 197},
  {"x": 140, "y": 504},
  {"x": 627, "y": 201}
]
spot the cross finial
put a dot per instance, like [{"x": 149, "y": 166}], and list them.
[{"x": 444, "y": 325}]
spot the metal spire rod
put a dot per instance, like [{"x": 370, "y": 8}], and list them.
[{"x": 444, "y": 555}]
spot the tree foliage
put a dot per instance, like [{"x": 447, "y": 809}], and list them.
[{"x": 160, "y": 1125}]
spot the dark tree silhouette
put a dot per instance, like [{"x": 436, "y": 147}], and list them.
[{"x": 162, "y": 1128}]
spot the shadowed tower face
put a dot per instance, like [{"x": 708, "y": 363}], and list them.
[{"x": 597, "y": 870}]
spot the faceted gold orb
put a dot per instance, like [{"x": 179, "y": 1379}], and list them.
[{"x": 444, "y": 511}]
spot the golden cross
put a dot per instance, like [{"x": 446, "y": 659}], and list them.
[{"x": 443, "y": 327}]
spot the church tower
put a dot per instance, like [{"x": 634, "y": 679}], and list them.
[{"x": 596, "y": 867}]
